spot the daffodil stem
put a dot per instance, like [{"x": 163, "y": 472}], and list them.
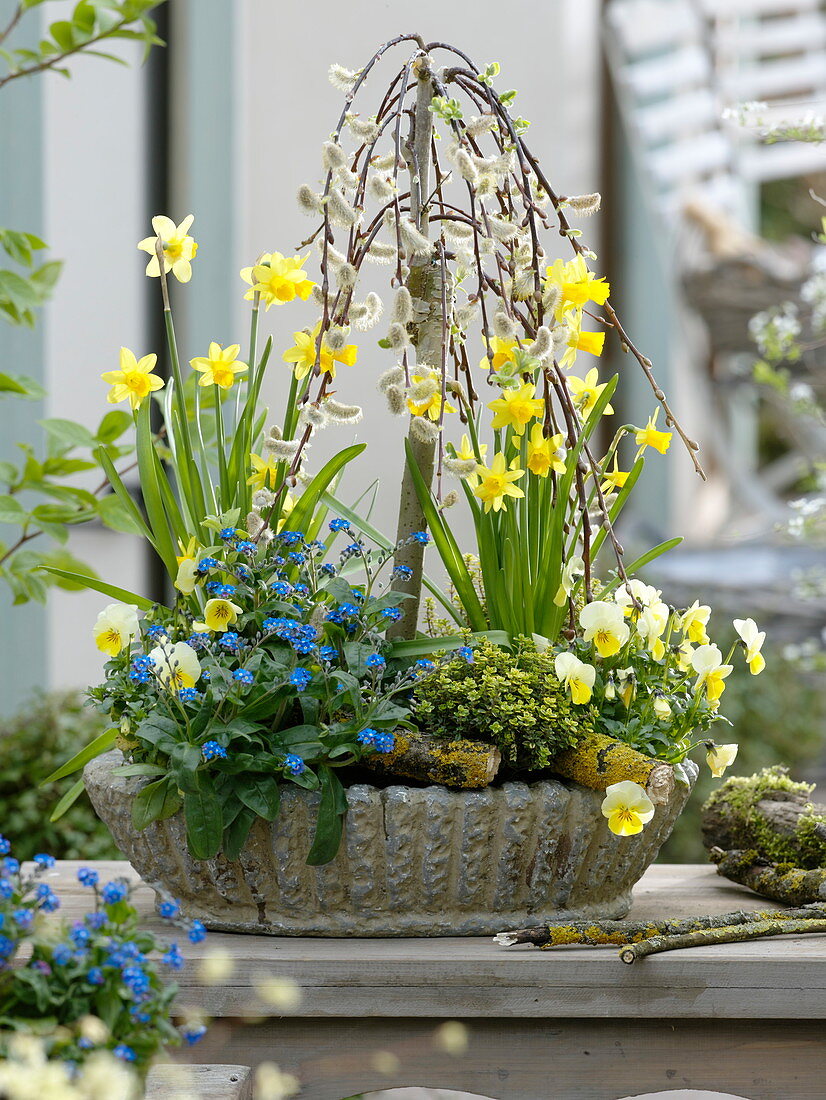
[
  {"x": 220, "y": 444},
  {"x": 193, "y": 471}
]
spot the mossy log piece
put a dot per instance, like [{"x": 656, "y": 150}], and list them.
[
  {"x": 622, "y": 932},
  {"x": 463, "y": 764},
  {"x": 770, "y": 814},
  {"x": 783, "y": 882},
  {"x": 597, "y": 761},
  {"x": 738, "y": 933}
]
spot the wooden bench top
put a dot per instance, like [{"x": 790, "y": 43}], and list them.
[{"x": 783, "y": 978}]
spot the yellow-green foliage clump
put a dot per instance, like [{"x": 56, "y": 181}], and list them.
[
  {"x": 509, "y": 699},
  {"x": 739, "y": 798}
]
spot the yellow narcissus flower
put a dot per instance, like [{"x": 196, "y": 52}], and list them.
[
  {"x": 503, "y": 351},
  {"x": 176, "y": 666},
  {"x": 429, "y": 401},
  {"x": 752, "y": 639},
  {"x": 651, "y": 436},
  {"x": 627, "y": 807},
  {"x": 278, "y": 279},
  {"x": 219, "y": 367},
  {"x": 604, "y": 624},
  {"x": 693, "y": 622},
  {"x": 707, "y": 662},
  {"x": 516, "y": 407},
  {"x": 577, "y": 677},
  {"x": 577, "y": 285},
  {"x": 545, "y": 454},
  {"x": 116, "y": 625},
  {"x": 614, "y": 478},
  {"x": 590, "y": 342},
  {"x": 178, "y": 247},
  {"x": 585, "y": 393},
  {"x": 497, "y": 482},
  {"x": 264, "y": 470},
  {"x": 186, "y": 577},
  {"x": 720, "y": 757},
  {"x": 466, "y": 453},
  {"x": 219, "y": 615},
  {"x": 134, "y": 380},
  {"x": 302, "y": 355},
  {"x": 572, "y": 569}
]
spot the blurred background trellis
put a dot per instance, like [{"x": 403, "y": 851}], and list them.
[{"x": 704, "y": 225}]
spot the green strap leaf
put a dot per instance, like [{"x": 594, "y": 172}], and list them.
[
  {"x": 101, "y": 744},
  {"x": 302, "y": 514},
  {"x": 84, "y": 581},
  {"x": 68, "y": 800}
]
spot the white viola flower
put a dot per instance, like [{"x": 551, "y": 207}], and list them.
[
  {"x": 707, "y": 662},
  {"x": 651, "y": 625},
  {"x": 604, "y": 624},
  {"x": 577, "y": 676},
  {"x": 720, "y": 757},
  {"x": 752, "y": 639},
  {"x": 662, "y": 708},
  {"x": 176, "y": 666},
  {"x": 116, "y": 625},
  {"x": 632, "y": 590}
]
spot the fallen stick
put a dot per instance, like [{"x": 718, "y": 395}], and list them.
[
  {"x": 781, "y": 882},
  {"x": 623, "y": 932},
  {"x": 734, "y": 934},
  {"x": 597, "y": 761}
]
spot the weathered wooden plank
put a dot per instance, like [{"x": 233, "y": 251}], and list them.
[
  {"x": 643, "y": 26},
  {"x": 673, "y": 118},
  {"x": 207, "y": 1082},
  {"x": 684, "y": 67},
  {"x": 564, "y": 1059},
  {"x": 473, "y": 977},
  {"x": 799, "y": 32},
  {"x": 771, "y": 79}
]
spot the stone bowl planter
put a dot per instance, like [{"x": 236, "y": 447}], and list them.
[{"x": 414, "y": 861}]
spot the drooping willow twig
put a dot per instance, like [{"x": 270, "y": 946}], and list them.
[{"x": 487, "y": 245}]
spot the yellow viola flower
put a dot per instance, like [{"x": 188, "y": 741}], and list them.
[
  {"x": 496, "y": 483},
  {"x": 590, "y": 342},
  {"x": 279, "y": 279},
  {"x": 627, "y": 685},
  {"x": 219, "y": 615},
  {"x": 752, "y": 639},
  {"x": 502, "y": 353},
  {"x": 577, "y": 677},
  {"x": 720, "y": 757},
  {"x": 707, "y": 662},
  {"x": 176, "y": 666},
  {"x": 683, "y": 655},
  {"x": 219, "y": 367},
  {"x": 627, "y": 807},
  {"x": 613, "y": 479},
  {"x": 178, "y": 247},
  {"x": 545, "y": 454},
  {"x": 115, "y": 627},
  {"x": 572, "y": 569},
  {"x": 604, "y": 624},
  {"x": 134, "y": 380},
  {"x": 586, "y": 392},
  {"x": 693, "y": 622},
  {"x": 577, "y": 285},
  {"x": 651, "y": 436},
  {"x": 516, "y": 407},
  {"x": 302, "y": 355},
  {"x": 265, "y": 471},
  {"x": 431, "y": 405}
]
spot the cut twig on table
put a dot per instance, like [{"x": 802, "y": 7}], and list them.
[{"x": 738, "y": 933}]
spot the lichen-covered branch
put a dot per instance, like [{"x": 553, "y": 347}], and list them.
[
  {"x": 783, "y": 882},
  {"x": 462, "y": 764},
  {"x": 623, "y": 932},
  {"x": 597, "y": 761},
  {"x": 739, "y": 933}
]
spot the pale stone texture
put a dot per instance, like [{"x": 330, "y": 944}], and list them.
[{"x": 414, "y": 861}]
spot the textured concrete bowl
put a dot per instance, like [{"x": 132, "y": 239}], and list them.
[{"x": 414, "y": 861}]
